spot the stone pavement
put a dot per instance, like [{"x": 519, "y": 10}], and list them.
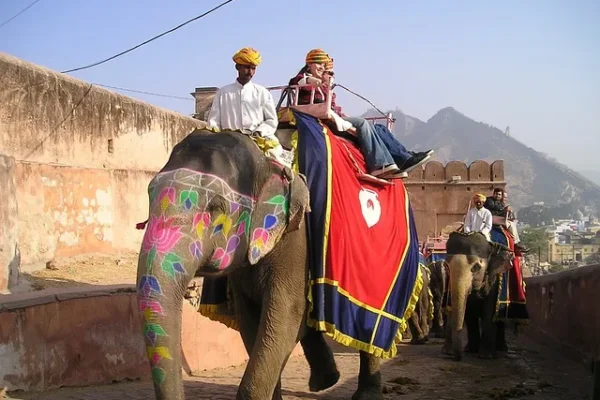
[{"x": 528, "y": 372}]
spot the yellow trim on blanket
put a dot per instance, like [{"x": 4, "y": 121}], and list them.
[
  {"x": 430, "y": 311},
  {"x": 345, "y": 340},
  {"x": 328, "y": 206},
  {"x": 408, "y": 235},
  {"x": 354, "y": 300},
  {"x": 211, "y": 311}
]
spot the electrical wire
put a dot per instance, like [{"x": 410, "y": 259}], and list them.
[
  {"x": 149, "y": 40},
  {"x": 142, "y": 92},
  {"x": 19, "y": 13}
]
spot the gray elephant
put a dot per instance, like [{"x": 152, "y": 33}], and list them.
[
  {"x": 475, "y": 265},
  {"x": 421, "y": 318},
  {"x": 220, "y": 208},
  {"x": 438, "y": 285}
]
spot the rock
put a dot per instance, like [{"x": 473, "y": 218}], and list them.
[{"x": 51, "y": 265}]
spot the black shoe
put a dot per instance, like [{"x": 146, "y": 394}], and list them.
[{"x": 413, "y": 162}]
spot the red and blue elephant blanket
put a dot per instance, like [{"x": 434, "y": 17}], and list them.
[{"x": 363, "y": 253}]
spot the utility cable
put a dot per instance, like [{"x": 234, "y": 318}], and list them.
[
  {"x": 142, "y": 92},
  {"x": 19, "y": 13},
  {"x": 149, "y": 40}
]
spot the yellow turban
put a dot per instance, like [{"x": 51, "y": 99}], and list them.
[
  {"x": 329, "y": 65},
  {"x": 479, "y": 196},
  {"x": 317, "y": 56},
  {"x": 247, "y": 56}
]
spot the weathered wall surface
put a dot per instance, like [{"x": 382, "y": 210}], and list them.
[
  {"x": 93, "y": 336},
  {"x": 84, "y": 156},
  {"x": 49, "y": 117},
  {"x": 9, "y": 251},
  {"x": 67, "y": 211},
  {"x": 563, "y": 308},
  {"x": 438, "y": 201}
]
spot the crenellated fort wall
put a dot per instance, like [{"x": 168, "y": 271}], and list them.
[{"x": 440, "y": 194}]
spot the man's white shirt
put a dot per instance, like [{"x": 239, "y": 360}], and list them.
[
  {"x": 479, "y": 221},
  {"x": 248, "y": 107}
]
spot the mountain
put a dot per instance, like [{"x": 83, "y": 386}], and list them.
[
  {"x": 532, "y": 176},
  {"x": 593, "y": 176}
]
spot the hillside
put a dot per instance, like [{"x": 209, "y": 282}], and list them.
[
  {"x": 531, "y": 175},
  {"x": 593, "y": 176}
]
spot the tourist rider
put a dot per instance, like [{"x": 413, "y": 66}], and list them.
[
  {"x": 246, "y": 106},
  {"x": 406, "y": 160},
  {"x": 498, "y": 208},
  {"x": 379, "y": 160}
]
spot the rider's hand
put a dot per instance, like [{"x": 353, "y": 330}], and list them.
[{"x": 314, "y": 81}]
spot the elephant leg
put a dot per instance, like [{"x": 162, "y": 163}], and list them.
[
  {"x": 472, "y": 322},
  {"x": 425, "y": 321},
  {"x": 501, "y": 337},
  {"x": 277, "y": 334},
  {"x": 447, "y": 347},
  {"x": 323, "y": 369},
  {"x": 489, "y": 327},
  {"x": 369, "y": 378},
  {"x": 415, "y": 328}
]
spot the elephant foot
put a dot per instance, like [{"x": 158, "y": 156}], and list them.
[
  {"x": 369, "y": 393},
  {"x": 503, "y": 348},
  {"x": 471, "y": 349},
  {"x": 422, "y": 340},
  {"x": 447, "y": 349},
  {"x": 318, "y": 382},
  {"x": 439, "y": 335},
  {"x": 487, "y": 355}
]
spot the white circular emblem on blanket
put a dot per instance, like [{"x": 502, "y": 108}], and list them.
[{"x": 369, "y": 204}]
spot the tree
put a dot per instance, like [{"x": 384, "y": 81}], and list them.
[
  {"x": 537, "y": 241},
  {"x": 593, "y": 259}
]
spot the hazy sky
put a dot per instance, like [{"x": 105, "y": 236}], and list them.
[{"x": 533, "y": 65}]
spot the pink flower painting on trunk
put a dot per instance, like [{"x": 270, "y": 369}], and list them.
[{"x": 161, "y": 234}]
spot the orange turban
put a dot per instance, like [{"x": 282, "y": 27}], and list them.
[
  {"x": 317, "y": 56},
  {"x": 247, "y": 56},
  {"x": 329, "y": 65},
  {"x": 479, "y": 196}
]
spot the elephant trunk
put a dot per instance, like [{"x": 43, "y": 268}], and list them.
[
  {"x": 159, "y": 296},
  {"x": 460, "y": 284}
]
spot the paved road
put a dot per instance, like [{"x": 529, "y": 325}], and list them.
[{"x": 529, "y": 372}]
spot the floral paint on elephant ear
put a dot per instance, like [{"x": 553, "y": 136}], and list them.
[{"x": 281, "y": 204}]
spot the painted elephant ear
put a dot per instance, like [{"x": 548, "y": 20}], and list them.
[{"x": 279, "y": 208}]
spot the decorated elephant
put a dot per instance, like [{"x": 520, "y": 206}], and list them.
[
  {"x": 475, "y": 265},
  {"x": 219, "y": 208}
]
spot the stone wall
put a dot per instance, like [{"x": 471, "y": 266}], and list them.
[
  {"x": 440, "y": 194},
  {"x": 564, "y": 311},
  {"x": 92, "y": 336},
  {"x": 9, "y": 251},
  {"x": 83, "y": 159}
]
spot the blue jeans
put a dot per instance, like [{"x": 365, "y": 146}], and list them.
[
  {"x": 378, "y": 145},
  {"x": 373, "y": 148},
  {"x": 396, "y": 149}
]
